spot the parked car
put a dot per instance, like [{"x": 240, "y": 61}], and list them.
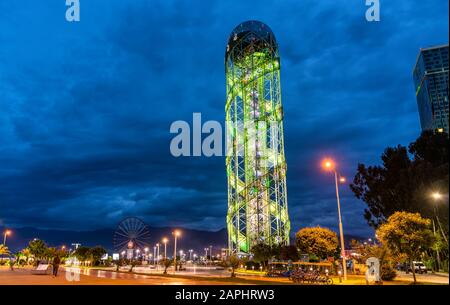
[{"x": 419, "y": 267}]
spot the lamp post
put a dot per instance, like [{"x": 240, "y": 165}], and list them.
[
  {"x": 165, "y": 240},
  {"x": 157, "y": 253},
  {"x": 146, "y": 254},
  {"x": 154, "y": 255},
  {"x": 210, "y": 254},
  {"x": 330, "y": 166},
  {"x": 176, "y": 233},
  {"x": 206, "y": 256},
  {"x": 438, "y": 196},
  {"x": 7, "y": 233},
  {"x": 137, "y": 253},
  {"x": 190, "y": 254}
]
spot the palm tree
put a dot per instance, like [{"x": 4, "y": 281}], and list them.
[
  {"x": 233, "y": 263},
  {"x": 166, "y": 263},
  {"x": 27, "y": 254},
  {"x": 4, "y": 251}
]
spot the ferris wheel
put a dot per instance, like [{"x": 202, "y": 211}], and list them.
[{"x": 131, "y": 233}]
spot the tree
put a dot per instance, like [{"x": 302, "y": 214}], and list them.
[
  {"x": 26, "y": 253},
  {"x": 119, "y": 263},
  {"x": 379, "y": 251},
  {"x": 404, "y": 183},
  {"x": 133, "y": 263},
  {"x": 38, "y": 249},
  {"x": 406, "y": 234},
  {"x": 261, "y": 253},
  {"x": 233, "y": 262},
  {"x": 166, "y": 263},
  {"x": 317, "y": 241},
  {"x": 4, "y": 250},
  {"x": 95, "y": 254},
  {"x": 82, "y": 253},
  {"x": 289, "y": 253}
]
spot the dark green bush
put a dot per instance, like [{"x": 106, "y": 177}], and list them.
[{"x": 387, "y": 272}]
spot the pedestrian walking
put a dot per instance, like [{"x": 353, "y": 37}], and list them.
[{"x": 56, "y": 262}]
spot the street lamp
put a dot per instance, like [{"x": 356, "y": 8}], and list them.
[
  {"x": 154, "y": 255},
  {"x": 206, "y": 254},
  {"x": 176, "y": 233},
  {"x": 146, "y": 253},
  {"x": 165, "y": 240},
  {"x": 7, "y": 233},
  {"x": 190, "y": 254},
  {"x": 329, "y": 165},
  {"x": 438, "y": 196},
  {"x": 157, "y": 252}
]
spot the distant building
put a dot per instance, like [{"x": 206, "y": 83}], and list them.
[{"x": 431, "y": 83}]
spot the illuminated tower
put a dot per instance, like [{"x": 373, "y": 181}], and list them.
[{"x": 256, "y": 166}]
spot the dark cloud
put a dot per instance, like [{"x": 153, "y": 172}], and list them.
[{"x": 85, "y": 108}]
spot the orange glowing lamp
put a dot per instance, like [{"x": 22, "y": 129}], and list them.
[{"x": 328, "y": 164}]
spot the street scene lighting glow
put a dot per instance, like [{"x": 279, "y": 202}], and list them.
[
  {"x": 328, "y": 164},
  {"x": 436, "y": 195}
]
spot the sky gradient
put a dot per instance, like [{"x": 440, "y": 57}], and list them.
[{"x": 85, "y": 108}]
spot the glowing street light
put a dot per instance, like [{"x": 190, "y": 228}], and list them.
[
  {"x": 436, "y": 195},
  {"x": 176, "y": 233},
  {"x": 329, "y": 165},
  {"x": 165, "y": 240},
  {"x": 206, "y": 254},
  {"x": 146, "y": 253},
  {"x": 157, "y": 252},
  {"x": 7, "y": 233}
]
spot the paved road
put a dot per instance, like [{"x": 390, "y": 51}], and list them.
[
  {"x": 23, "y": 276},
  {"x": 440, "y": 278}
]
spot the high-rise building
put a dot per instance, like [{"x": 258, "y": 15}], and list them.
[
  {"x": 256, "y": 166},
  {"x": 431, "y": 83}
]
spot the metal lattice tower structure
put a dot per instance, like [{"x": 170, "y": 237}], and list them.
[{"x": 255, "y": 162}]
